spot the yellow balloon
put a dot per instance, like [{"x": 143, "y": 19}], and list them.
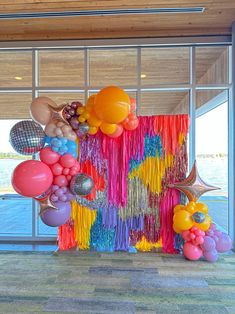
[
  {"x": 93, "y": 130},
  {"x": 80, "y": 110},
  {"x": 178, "y": 207},
  {"x": 81, "y": 119},
  {"x": 86, "y": 115},
  {"x": 191, "y": 207},
  {"x": 90, "y": 103},
  {"x": 201, "y": 207},
  {"x": 108, "y": 128},
  {"x": 205, "y": 225},
  {"x": 182, "y": 220},
  {"x": 94, "y": 121},
  {"x": 112, "y": 104},
  {"x": 176, "y": 229}
]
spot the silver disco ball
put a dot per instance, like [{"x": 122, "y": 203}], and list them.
[
  {"x": 81, "y": 184},
  {"x": 27, "y": 137}
]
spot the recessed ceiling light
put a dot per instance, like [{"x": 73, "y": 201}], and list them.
[
  {"x": 18, "y": 78},
  {"x": 30, "y": 15},
  {"x": 143, "y": 75}
]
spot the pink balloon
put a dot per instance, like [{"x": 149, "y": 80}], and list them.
[
  {"x": 57, "y": 169},
  {"x": 131, "y": 125},
  {"x": 186, "y": 235},
  {"x": 66, "y": 171},
  {"x": 32, "y": 178},
  {"x": 67, "y": 161},
  {"x": 200, "y": 240},
  {"x": 118, "y": 131},
  {"x": 40, "y": 111},
  {"x": 192, "y": 236},
  {"x": 192, "y": 252},
  {"x": 61, "y": 180},
  {"x": 68, "y": 177},
  {"x": 48, "y": 156}
]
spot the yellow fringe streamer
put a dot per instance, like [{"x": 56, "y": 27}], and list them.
[
  {"x": 83, "y": 218},
  {"x": 145, "y": 246},
  {"x": 152, "y": 170},
  {"x": 181, "y": 139}
]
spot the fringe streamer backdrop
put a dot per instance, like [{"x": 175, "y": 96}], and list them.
[{"x": 131, "y": 204}]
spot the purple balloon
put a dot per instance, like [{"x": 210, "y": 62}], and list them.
[
  {"x": 64, "y": 189},
  {"x": 218, "y": 233},
  {"x": 56, "y": 217},
  {"x": 54, "y": 198},
  {"x": 213, "y": 227},
  {"x": 224, "y": 243},
  {"x": 74, "y": 123},
  {"x": 208, "y": 245},
  {"x": 211, "y": 256},
  {"x": 59, "y": 192},
  {"x": 63, "y": 198},
  {"x": 54, "y": 187}
]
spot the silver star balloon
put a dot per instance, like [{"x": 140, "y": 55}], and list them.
[{"x": 193, "y": 186}]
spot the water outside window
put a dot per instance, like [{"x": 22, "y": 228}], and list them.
[{"x": 212, "y": 160}]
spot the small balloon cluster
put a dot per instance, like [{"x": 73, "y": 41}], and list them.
[
  {"x": 194, "y": 224},
  {"x": 62, "y": 145},
  {"x": 110, "y": 111}
]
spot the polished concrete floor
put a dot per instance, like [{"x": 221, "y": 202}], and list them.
[{"x": 86, "y": 282}]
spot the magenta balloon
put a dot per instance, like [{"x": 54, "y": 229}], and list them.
[
  {"x": 224, "y": 243},
  {"x": 208, "y": 244},
  {"x": 211, "y": 256},
  {"x": 32, "y": 178},
  {"x": 192, "y": 252},
  {"x": 56, "y": 217}
]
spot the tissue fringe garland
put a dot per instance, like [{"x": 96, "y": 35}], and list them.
[{"x": 132, "y": 204}]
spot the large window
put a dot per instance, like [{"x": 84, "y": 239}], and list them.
[{"x": 164, "y": 80}]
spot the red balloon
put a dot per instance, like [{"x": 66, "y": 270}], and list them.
[
  {"x": 67, "y": 161},
  {"x": 131, "y": 124},
  {"x": 68, "y": 177},
  {"x": 32, "y": 178},
  {"x": 191, "y": 251},
  {"x": 57, "y": 169},
  {"x": 61, "y": 181},
  {"x": 48, "y": 156},
  {"x": 66, "y": 171}
]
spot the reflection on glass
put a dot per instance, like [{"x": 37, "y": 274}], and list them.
[
  {"x": 16, "y": 69},
  {"x": 212, "y": 160},
  {"x": 164, "y": 66},
  {"x": 212, "y": 65},
  {"x": 64, "y": 98},
  {"x": 15, "y": 105},
  {"x": 61, "y": 68},
  {"x": 113, "y": 67},
  {"x": 154, "y": 103}
]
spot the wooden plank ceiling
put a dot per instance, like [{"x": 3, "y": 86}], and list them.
[{"x": 215, "y": 20}]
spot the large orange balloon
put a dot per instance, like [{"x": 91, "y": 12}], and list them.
[{"x": 112, "y": 104}]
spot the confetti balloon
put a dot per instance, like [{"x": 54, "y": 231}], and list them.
[
  {"x": 27, "y": 137},
  {"x": 81, "y": 184}
]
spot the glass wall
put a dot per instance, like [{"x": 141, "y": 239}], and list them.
[{"x": 164, "y": 80}]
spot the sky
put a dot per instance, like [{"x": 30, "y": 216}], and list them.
[{"x": 211, "y": 132}]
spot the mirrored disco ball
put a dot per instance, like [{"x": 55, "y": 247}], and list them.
[
  {"x": 27, "y": 137},
  {"x": 81, "y": 184}
]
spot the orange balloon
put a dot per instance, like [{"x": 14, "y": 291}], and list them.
[
  {"x": 118, "y": 131},
  {"x": 182, "y": 220},
  {"x": 112, "y": 104},
  {"x": 108, "y": 128},
  {"x": 90, "y": 103},
  {"x": 132, "y": 105},
  {"x": 93, "y": 120}
]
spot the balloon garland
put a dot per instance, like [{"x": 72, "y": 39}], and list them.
[
  {"x": 193, "y": 223},
  {"x": 55, "y": 180}
]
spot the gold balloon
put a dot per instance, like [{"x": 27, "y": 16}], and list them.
[{"x": 193, "y": 186}]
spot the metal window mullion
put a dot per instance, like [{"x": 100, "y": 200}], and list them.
[
  {"x": 231, "y": 141},
  {"x": 86, "y": 73},
  {"x": 138, "y": 92},
  {"x": 35, "y": 80},
  {"x": 192, "y": 111}
]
